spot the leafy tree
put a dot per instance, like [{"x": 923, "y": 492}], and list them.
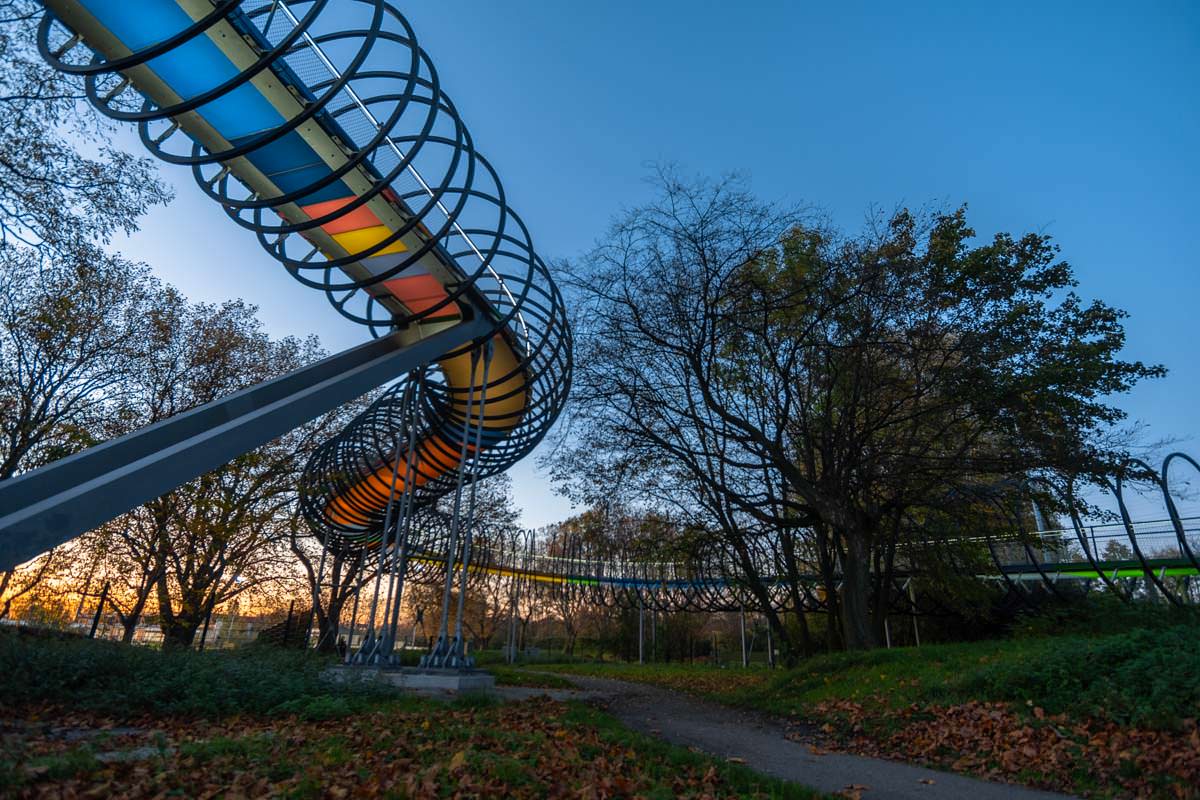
[
  {"x": 837, "y": 389},
  {"x": 72, "y": 330},
  {"x": 62, "y": 181},
  {"x": 69, "y": 310},
  {"x": 21, "y": 582},
  {"x": 226, "y": 531}
]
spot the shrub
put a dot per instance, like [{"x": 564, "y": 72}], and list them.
[
  {"x": 125, "y": 680},
  {"x": 1099, "y": 614},
  {"x": 1143, "y": 677}
]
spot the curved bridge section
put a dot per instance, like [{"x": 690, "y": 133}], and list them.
[
  {"x": 323, "y": 128},
  {"x": 1153, "y": 559}
]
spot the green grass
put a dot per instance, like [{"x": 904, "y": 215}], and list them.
[
  {"x": 256, "y": 746},
  {"x": 515, "y": 676},
  {"x": 66, "y": 765},
  {"x": 266, "y": 722},
  {"x": 1146, "y": 677}
]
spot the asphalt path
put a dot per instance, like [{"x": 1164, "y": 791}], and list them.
[{"x": 760, "y": 742}]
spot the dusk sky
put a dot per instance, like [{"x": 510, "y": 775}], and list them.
[{"x": 1078, "y": 120}]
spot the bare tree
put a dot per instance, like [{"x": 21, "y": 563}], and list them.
[
  {"x": 122, "y": 555},
  {"x": 486, "y": 609},
  {"x": 332, "y": 585},
  {"x": 230, "y": 528}
]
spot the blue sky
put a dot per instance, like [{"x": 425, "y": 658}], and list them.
[{"x": 1079, "y": 120}]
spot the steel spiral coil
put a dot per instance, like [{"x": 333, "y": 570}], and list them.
[{"x": 358, "y": 73}]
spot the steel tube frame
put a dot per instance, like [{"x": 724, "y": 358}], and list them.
[
  {"x": 51, "y": 505},
  {"x": 469, "y": 528}
]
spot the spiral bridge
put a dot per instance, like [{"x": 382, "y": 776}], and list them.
[{"x": 322, "y": 127}]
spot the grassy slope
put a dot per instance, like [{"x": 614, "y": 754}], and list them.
[
  {"x": 263, "y": 722},
  {"x": 1146, "y": 677},
  {"x": 514, "y": 676}
]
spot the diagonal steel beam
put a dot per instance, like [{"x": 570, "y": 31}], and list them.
[{"x": 51, "y": 505}]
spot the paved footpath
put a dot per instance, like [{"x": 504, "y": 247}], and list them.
[{"x": 759, "y": 741}]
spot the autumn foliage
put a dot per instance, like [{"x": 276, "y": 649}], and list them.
[
  {"x": 1008, "y": 742},
  {"x": 537, "y": 748}
]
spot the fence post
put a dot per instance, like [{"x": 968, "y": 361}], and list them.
[
  {"x": 641, "y": 627},
  {"x": 742, "y": 621},
  {"x": 99, "y": 610},
  {"x": 912, "y": 598},
  {"x": 770, "y": 647},
  {"x": 207, "y": 620}
]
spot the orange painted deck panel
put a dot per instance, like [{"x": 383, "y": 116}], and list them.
[
  {"x": 361, "y": 217},
  {"x": 419, "y": 292}
]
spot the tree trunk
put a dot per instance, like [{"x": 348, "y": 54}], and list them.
[
  {"x": 569, "y": 643},
  {"x": 883, "y": 581},
  {"x": 178, "y": 628},
  {"x": 762, "y": 595},
  {"x": 826, "y": 562},
  {"x": 343, "y": 583},
  {"x": 180, "y": 632},
  {"x": 129, "y": 622},
  {"x": 793, "y": 574},
  {"x": 857, "y": 632}
]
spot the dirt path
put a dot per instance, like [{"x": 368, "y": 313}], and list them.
[{"x": 759, "y": 741}]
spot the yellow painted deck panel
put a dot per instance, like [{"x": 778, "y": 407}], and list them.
[{"x": 360, "y": 240}]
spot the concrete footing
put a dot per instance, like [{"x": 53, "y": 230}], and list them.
[{"x": 420, "y": 680}]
